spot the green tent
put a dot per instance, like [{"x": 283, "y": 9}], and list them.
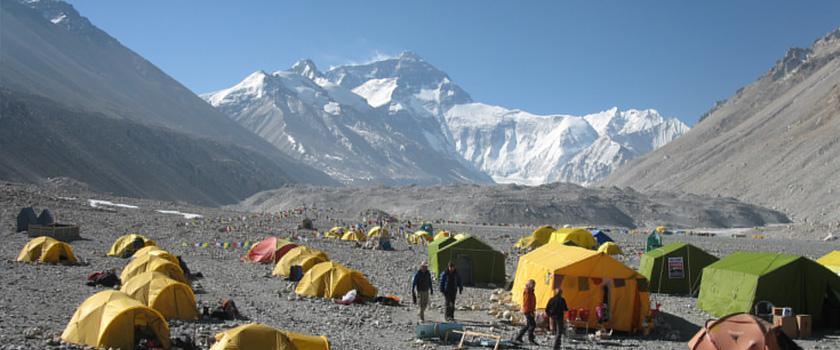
[
  {"x": 477, "y": 262},
  {"x": 739, "y": 281},
  {"x": 675, "y": 268},
  {"x": 653, "y": 241}
]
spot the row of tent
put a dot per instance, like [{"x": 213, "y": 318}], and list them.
[
  {"x": 579, "y": 237},
  {"x": 347, "y": 234},
  {"x": 320, "y": 277}
]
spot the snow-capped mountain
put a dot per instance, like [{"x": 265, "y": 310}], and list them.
[{"x": 403, "y": 120}]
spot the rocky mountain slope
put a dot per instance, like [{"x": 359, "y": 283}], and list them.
[
  {"x": 774, "y": 143},
  {"x": 557, "y": 203},
  {"x": 50, "y": 51},
  {"x": 404, "y": 119}
]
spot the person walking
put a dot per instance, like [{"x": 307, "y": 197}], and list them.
[
  {"x": 450, "y": 287},
  {"x": 529, "y": 305},
  {"x": 555, "y": 309},
  {"x": 422, "y": 283}
]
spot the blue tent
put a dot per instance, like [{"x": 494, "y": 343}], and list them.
[{"x": 601, "y": 237}]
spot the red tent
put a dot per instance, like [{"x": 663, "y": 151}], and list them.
[{"x": 269, "y": 250}]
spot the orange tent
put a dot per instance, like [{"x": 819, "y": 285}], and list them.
[{"x": 269, "y": 250}]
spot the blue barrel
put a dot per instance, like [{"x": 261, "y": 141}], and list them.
[{"x": 438, "y": 330}]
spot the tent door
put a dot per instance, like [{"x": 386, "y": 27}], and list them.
[{"x": 464, "y": 265}]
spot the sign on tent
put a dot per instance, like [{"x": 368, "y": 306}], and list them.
[{"x": 676, "y": 267}]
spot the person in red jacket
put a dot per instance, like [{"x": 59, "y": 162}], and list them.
[{"x": 529, "y": 305}]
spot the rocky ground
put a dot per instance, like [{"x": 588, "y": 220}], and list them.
[{"x": 38, "y": 300}]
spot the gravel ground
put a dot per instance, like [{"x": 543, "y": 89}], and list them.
[{"x": 38, "y": 300}]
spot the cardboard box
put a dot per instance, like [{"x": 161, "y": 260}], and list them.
[
  {"x": 803, "y": 325},
  {"x": 787, "y": 324}
]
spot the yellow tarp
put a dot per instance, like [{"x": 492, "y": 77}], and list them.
[
  {"x": 584, "y": 275},
  {"x": 420, "y": 237},
  {"x": 610, "y": 248},
  {"x": 376, "y": 231},
  {"x": 579, "y": 236},
  {"x": 304, "y": 257},
  {"x": 158, "y": 252},
  {"x": 335, "y": 232},
  {"x": 354, "y": 235},
  {"x": 831, "y": 261},
  {"x": 123, "y": 244},
  {"x": 535, "y": 239},
  {"x": 108, "y": 319},
  {"x": 173, "y": 299},
  {"x": 256, "y": 336},
  {"x": 333, "y": 280},
  {"x": 441, "y": 234},
  {"x": 147, "y": 263},
  {"x": 47, "y": 250}
]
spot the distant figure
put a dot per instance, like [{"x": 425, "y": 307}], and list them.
[
  {"x": 422, "y": 282},
  {"x": 450, "y": 287},
  {"x": 529, "y": 305},
  {"x": 384, "y": 242},
  {"x": 555, "y": 309}
]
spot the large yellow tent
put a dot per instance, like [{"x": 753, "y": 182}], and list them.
[
  {"x": 831, "y": 261},
  {"x": 110, "y": 318},
  {"x": 124, "y": 244},
  {"x": 537, "y": 238},
  {"x": 173, "y": 299},
  {"x": 256, "y": 336},
  {"x": 304, "y": 257},
  {"x": 354, "y": 235},
  {"x": 581, "y": 238},
  {"x": 610, "y": 248},
  {"x": 47, "y": 250},
  {"x": 158, "y": 252},
  {"x": 376, "y": 231},
  {"x": 333, "y": 280},
  {"x": 585, "y": 277},
  {"x": 335, "y": 232},
  {"x": 147, "y": 263}
]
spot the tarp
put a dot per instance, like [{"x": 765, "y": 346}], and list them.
[
  {"x": 269, "y": 250},
  {"x": 158, "y": 252},
  {"x": 376, "y": 231},
  {"x": 25, "y": 217},
  {"x": 123, "y": 245},
  {"x": 332, "y": 280},
  {"x": 147, "y": 263},
  {"x": 601, "y": 237},
  {"x": 109, "y": 319},
  {"x": 476, "y": 261},
  {"x": 585, "y": 276},
  {"x": 831, "y": 261},
  {"x": 304, "y": 257},
  {"x": 581, "y": 237},
  {"x": 173, "y": 299},
  {"x": 675, "y": 268},
  {"x": 354, "y": 235},
  {"x": 47, "y": 250},
  {"x": 441, "y": 234},
  {"x": 427, "y": 227},
  {"x": 610, "y": 248},
  {"x": 739, "y": 281},
  {"x": 420, "y": 237},
  {"x": 537, "y": 238},
  {"x": 335, "y": 232},
  {"x": 256, "y": 336}
]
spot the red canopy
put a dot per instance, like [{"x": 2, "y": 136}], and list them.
[{"x": 269, "y": 250}]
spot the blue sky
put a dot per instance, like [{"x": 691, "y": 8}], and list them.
[{"x": 573, "y": 57}]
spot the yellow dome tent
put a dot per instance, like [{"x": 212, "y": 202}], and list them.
[
  {"x": 147, "y": 263},
  {"x": 585, "y": 277},
  {"x": 47, "y": 250},
  {"x": 420, "y": 237},
  {"x": 582, "y": 238},
  {"x": 831, "y": 261},
  {"x": 333, "y": 280},
  {"x": 304, "y": 257},
  {"x": 173, "y": 299},
  {"x": 109, "y": 319},
  {"x": 537, "y": 238},
  {"x": 335, "y": 232},
  {"x": 256, "y": 336},
  {"x": 158, "y": 252},
  {"x": 610, "y": 248},
  {"x": 123, "y": 245},
  {"x": 441, "y": 234},
  {"x": 376, "y": 231},
  {"x": 354, "y": 235}
]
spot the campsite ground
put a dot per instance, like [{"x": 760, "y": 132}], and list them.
[{"x": 37, "y": 300}]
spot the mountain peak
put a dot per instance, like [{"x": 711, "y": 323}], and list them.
[
  {"x": 410, "y": 56},
  {"x": 306, "y": 67}
]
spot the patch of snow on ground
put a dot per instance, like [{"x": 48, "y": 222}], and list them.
[
  {"x": 96, "y": 203},
  {"x": 185, "y": 215}
]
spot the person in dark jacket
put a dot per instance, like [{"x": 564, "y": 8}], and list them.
[
  {"x": 422, "y": 282},
  {"x": 555, "y": 309},
  {"x": 450, "y": 287},
  {"x": 529, "y": 306}
]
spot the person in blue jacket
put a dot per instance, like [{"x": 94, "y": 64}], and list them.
[
  {"x": 422, "y": 283},
  {"x": 450, "y": 287}
]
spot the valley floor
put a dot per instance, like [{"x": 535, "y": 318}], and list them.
[{"x": 36, "y": 301}]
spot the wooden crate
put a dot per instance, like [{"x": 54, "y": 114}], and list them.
[
  {"x": 803, "y": 325},
  {"x": 61, "y": 232},
  {"x": 787, "y": 324}
]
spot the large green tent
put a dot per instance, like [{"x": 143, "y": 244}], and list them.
[
  {"x": 675, "y": 268},
  {"x": 477, "y": 262},
  {"x": 739, "y": 281}
]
